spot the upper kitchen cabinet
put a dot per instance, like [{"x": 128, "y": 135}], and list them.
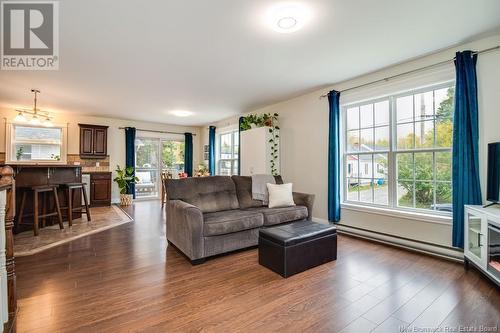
[{"x": 93, "y": 141}]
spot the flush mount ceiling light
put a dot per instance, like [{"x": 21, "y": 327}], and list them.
[
  {"x": 181, "y": 113},
  {"x": 287, "y": 17},
  {"x": 34, "y": 116}
]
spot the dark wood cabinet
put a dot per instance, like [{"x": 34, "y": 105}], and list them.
[
  {"x": 100, "y": 188},
  {"x": 93, "y": 141}
]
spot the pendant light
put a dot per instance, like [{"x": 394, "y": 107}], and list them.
[{"x": 34, "y": 116}]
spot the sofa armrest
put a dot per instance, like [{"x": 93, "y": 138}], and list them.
[
  {"x": 304, "y": 199},
  {"x": 185, "y": 228}
]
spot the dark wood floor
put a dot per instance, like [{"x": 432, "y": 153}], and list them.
[{"x": 126, "y": 279}]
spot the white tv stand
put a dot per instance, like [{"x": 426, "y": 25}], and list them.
[{"x": 482, "y": 240}]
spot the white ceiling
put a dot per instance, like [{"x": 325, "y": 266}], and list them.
[{"x": 140, "y": 59}]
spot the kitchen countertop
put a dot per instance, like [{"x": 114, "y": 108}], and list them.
[{"x": 17, "y": 165}]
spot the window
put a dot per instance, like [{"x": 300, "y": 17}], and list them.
[
  {"x": 36, "y": 144},
  {"x": 227, "y": 153},
  {"x": 397, "y": 150}
]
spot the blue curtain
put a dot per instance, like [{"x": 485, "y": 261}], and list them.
[
  {"x": 130, "y": 154},
  {"x": 188, "y": 154},
  {"x": 211, "y": 150},
  {"x": 466, "y": 186},
  {"x": 334, "y": 157},
  {"x": 240, "y": 120}
]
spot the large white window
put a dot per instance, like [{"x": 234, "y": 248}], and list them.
[
  {"x": 35, "y": 144},
  {"x": 227, "y": 153},
  {"x": 397, "y": 150}
]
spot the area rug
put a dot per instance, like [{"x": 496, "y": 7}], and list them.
[{"x": 103, "y": 218}]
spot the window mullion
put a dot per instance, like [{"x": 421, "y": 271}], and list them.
[{"x": 391, "y": 172}]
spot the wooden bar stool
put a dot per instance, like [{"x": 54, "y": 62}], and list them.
[
  {"x": 71, "y": 187},
  {"x": 45, "y": 190}
]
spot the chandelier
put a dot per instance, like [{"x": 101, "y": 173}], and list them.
[{"x": 34, "y": 116}]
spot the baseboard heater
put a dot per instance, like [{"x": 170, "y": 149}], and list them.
[{"x": 444, "y": 252}]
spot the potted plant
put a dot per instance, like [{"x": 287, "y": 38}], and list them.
[
  {"x": 202, "y": 171},
  {"x": 124, "y": 178}
]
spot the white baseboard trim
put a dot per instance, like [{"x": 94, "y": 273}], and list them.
[{"x": 444, "y": 252}]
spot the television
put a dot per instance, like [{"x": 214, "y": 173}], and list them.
[{"x": 493, "y": 180}]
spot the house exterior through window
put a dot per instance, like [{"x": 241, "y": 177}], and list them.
[{"x": 28, "y": 143}]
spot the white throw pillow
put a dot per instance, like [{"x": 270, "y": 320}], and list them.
[{"x": 280, "y": 195}]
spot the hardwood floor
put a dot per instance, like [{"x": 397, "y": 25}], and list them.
[{"x": 126, "y": 279}]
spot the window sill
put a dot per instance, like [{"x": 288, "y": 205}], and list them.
[{"x": 424, "y": 217}]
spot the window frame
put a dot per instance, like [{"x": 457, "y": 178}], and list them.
[
  {"x": 392, "y": 152},
  {"x": 232, "y": 160},
  {"x": 10, "y": 142}
]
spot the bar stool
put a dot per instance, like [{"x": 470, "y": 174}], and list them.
[
  {"x": 45, "y": 190},
  {"x": 71, "y": 187}
]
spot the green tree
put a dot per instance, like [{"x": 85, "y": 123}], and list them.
[
  {"x": 415, "y": 170},
  {"x": 145, "y": 153},
  {"x": 445, "y": 109},
  {"x": 168, "y": 154},
  {"x": 172, "y": 155}
]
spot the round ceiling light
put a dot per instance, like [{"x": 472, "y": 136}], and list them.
[
  {"x": 287, "y": 17},
  {"x": 287, "y": 23},
  {"x": 181, "y": 113}
]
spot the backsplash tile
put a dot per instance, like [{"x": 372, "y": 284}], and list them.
[{"x": 89, "y": 165}]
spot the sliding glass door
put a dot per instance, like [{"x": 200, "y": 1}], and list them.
[
  {"x": 147, "y": 167},
  {"x": 152, "y": 156}
]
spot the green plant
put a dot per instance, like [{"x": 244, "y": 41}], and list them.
[
  {"x": 270, "y": 120},
  {"x": 19, "y": 153},
  {"x": 124, "y": 178},
  {"x": 55, "y": 157}
]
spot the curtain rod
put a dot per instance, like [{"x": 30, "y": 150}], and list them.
[
  {"x": 385, "y": 79},
  {"x": 155, "y": 131}
]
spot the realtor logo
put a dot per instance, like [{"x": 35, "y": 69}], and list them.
[{"x": 29, "y": 35}]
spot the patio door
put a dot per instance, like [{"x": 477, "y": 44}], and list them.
[
  {"x": 147, "y": 167},
  {"x": 153, "y": 156}
]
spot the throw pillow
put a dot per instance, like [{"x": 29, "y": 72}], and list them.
[{"x": 280, "y": 195}]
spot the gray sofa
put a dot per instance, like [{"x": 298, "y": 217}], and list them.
[{"x": 212, "y": 215}]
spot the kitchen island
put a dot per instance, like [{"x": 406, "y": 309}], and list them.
[{"x": 28, "y": 175}]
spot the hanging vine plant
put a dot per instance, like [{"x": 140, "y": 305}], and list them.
[{"x": 270, "y": 120}]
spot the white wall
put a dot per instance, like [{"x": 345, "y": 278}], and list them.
[
  {"x": 304, "y": 141},
  {"x": 116, "y": 137}
]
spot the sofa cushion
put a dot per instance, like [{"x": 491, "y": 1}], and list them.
[
  {"x": 244, "y": 191},
  {"x": 221, "y": 223},
  {"x": 274, "y": 216},
  {"x": 209, "y": 194}
]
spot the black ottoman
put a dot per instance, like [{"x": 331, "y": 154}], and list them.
[{"x": 292, "y": 248}]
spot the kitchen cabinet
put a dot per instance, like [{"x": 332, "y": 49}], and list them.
[
  {"x": 100, "y": 189},
  {"x": 93, "y": 141}
]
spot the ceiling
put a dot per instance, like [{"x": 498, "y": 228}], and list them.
[{"x": 140, "y": 60}]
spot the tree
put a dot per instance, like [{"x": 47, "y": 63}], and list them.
[
  {"x": 445, "y": 109},
  {"x": 422, "y": 165},
  {"x": 172, "y": 155},
  {"x": 168, "y": 154}
]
